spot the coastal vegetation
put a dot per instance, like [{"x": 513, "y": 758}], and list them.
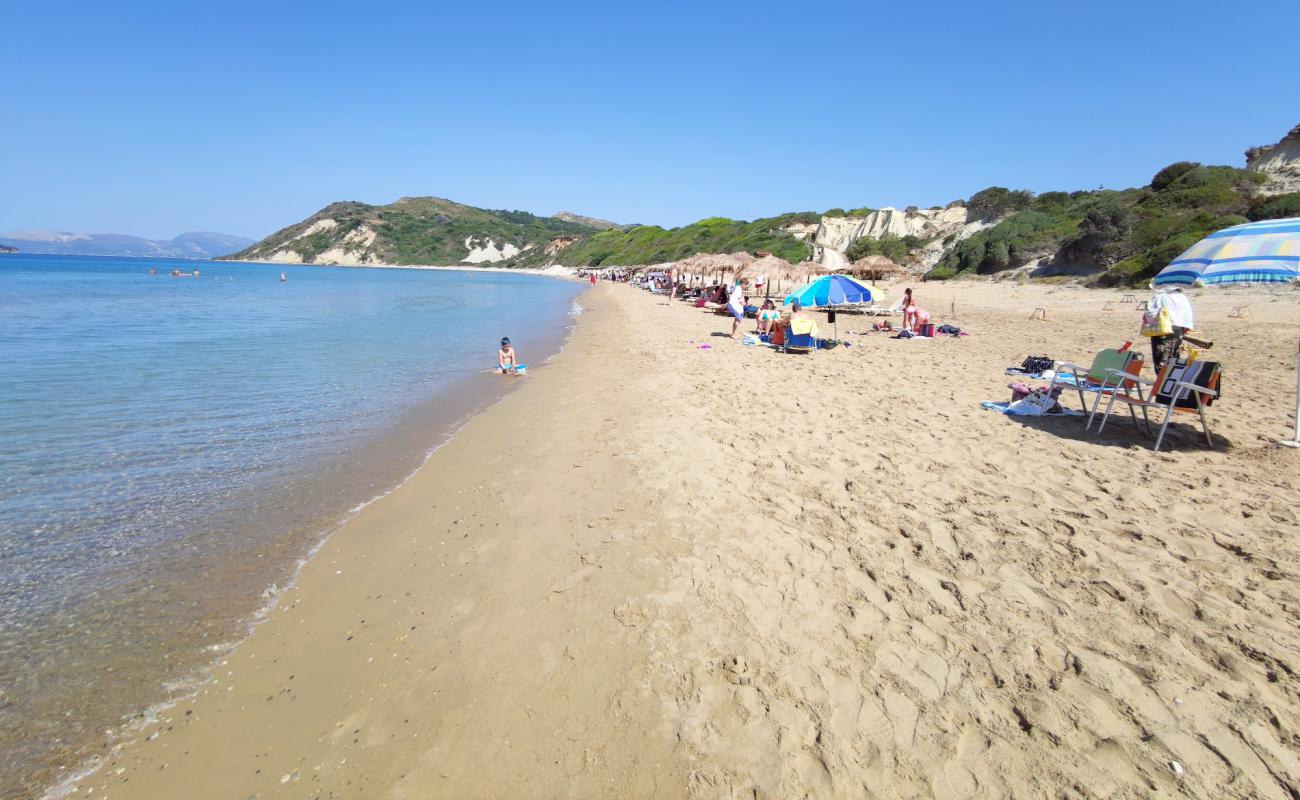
[
  {"x": 895, "y": 248},
  {"x": 651, "y": 244},
  {"x": 1121, "y": 237}
]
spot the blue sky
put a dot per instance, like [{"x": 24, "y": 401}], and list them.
[{"x": 157, "y": 118}]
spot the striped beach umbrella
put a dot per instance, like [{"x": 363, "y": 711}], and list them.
[{"x": 1257, "y": 252}]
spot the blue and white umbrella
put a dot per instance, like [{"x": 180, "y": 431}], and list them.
[
  {"x": 1257, "y": 252},
  {"x": 830, "y": 290}
]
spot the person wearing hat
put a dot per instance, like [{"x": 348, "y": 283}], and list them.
[{"x": 507, "y": 360}]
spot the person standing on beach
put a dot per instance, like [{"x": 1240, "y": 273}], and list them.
[
  {"x": 736, "y": 304},
  {"x": 909, "y": 309},
  {"x": 1166, "y": 347}
]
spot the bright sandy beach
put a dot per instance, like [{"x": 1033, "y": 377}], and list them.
[{"x": 661, "y": 570}]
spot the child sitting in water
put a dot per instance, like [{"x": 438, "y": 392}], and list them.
[{"x": 507, "y": 361}]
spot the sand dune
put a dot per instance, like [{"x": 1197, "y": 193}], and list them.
[{"x": 659, "y": 570}]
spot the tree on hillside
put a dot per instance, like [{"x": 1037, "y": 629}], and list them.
[
  {"x": 1172, "y": 173},
  {"x": 999, "y": 201}
]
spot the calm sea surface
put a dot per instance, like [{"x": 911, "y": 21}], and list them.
[{"x": 171, "y": 447}]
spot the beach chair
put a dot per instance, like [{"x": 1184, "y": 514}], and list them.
[
  {"x": 798, "y": 342},
  {"x": 804, "y": 341},
  {"x": 1178, "y": 388},
  {"x": 1098, "y": 379}
]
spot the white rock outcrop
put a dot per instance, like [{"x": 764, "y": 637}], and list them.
[
  {"x": 1280, "y": 162},
  {"x": 487, "y": 250},
  {"x": 801, "y": 230},
  {"x": 833, "y": 236},
  {"x": 285, "y": 256},
  {"x": 319, "y": 225}
]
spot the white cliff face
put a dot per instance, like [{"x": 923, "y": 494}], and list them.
[
  {"x": 487, "y": 250},
  {"x": 932, "y": 252},
  {"x": 839, "y": 233},
  {"x": 319, "y": 225},
  {"x": 1280, "y": 162},
  {"x": 285, "y": 256},
  {"x": 801, "y": 230},
  {"x": 835, "y": 235},
  {"x": 353, "y": 251}
]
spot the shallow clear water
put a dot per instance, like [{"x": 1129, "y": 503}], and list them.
[{"x": 169, "y": 447}]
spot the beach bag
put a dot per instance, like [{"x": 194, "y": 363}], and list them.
[
  {"x": 1036, "y": 365},
  {"x": 927, "y": 330},
  {"x": 1157, "y": 324}
]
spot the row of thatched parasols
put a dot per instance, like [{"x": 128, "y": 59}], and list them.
[{"x": 779, "y": 273}]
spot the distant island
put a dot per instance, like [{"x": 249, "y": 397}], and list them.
[
  {"x": 1112, "y": 237},
  {"x": 7, "y": 249},
  {"x": 197, "y": 244}
]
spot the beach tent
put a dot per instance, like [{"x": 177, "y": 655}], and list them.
[
  {"x": 1257, "y": 252},
  {"x": 830, "y": 290}
]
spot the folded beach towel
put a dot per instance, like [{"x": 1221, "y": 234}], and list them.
[
  {"x": 799, "y": 327},
  {"x": 1032, "y": 406}
]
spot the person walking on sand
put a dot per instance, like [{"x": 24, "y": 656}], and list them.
[
  {"x": 736, "y": 305},
  {"x": 507, "y": 359}
]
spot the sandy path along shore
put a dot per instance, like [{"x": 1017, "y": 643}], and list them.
[
  {"x": 451, "y": 640},
  {"x": 663, "y": 570}
]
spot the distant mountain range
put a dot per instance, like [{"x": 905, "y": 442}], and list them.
[{"x": 196, "y": 244}]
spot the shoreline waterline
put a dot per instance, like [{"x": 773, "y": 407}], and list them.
[
  {"x": 553, "y": 271},
  {"x": 211, "y": 597},
  {"x": 185, "y": 687}
]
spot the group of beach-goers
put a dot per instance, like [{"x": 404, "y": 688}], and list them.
[{"x": 772, "y": 316}]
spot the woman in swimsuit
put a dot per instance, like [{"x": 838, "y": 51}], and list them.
[
  {"x": 909, "y": 310},
  {"x": 767, "y": 316}
]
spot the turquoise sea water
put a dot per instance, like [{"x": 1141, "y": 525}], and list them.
[{"x": 170, "y": 447}]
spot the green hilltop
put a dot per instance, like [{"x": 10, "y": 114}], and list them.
[{"x": 413, "y": 230}]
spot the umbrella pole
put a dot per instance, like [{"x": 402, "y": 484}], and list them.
[{"x": 1295, "y": 441}]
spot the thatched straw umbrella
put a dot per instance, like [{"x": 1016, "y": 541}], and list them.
[
  {"x": 717, "y": 264},
  {"x": 875, "y": 267},
  {"x": 770, "y": 267}
]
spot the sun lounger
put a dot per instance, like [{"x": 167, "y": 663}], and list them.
[{"x": 1177, "y": 388}]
